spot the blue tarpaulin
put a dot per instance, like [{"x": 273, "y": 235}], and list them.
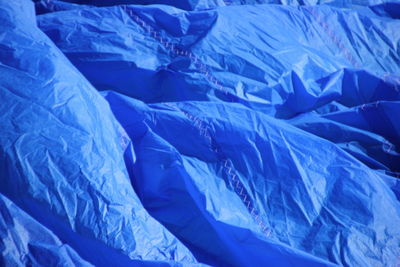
[{"x": 199, "y": 132}]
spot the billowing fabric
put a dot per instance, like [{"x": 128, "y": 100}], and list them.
[{"x": 199, "y": 132}]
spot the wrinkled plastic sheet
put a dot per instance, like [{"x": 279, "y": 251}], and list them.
[{"x": 224, "y": 133}]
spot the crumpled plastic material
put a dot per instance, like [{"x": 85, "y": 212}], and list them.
[
  {"x": 209, "y": 4},
  {"x": 222, "y": 133},
  {"x": 24, "y": 241},
  {"x": 62, "y": 154}
]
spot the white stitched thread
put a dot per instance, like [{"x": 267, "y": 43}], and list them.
[{"x": 198, "y": 123}]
